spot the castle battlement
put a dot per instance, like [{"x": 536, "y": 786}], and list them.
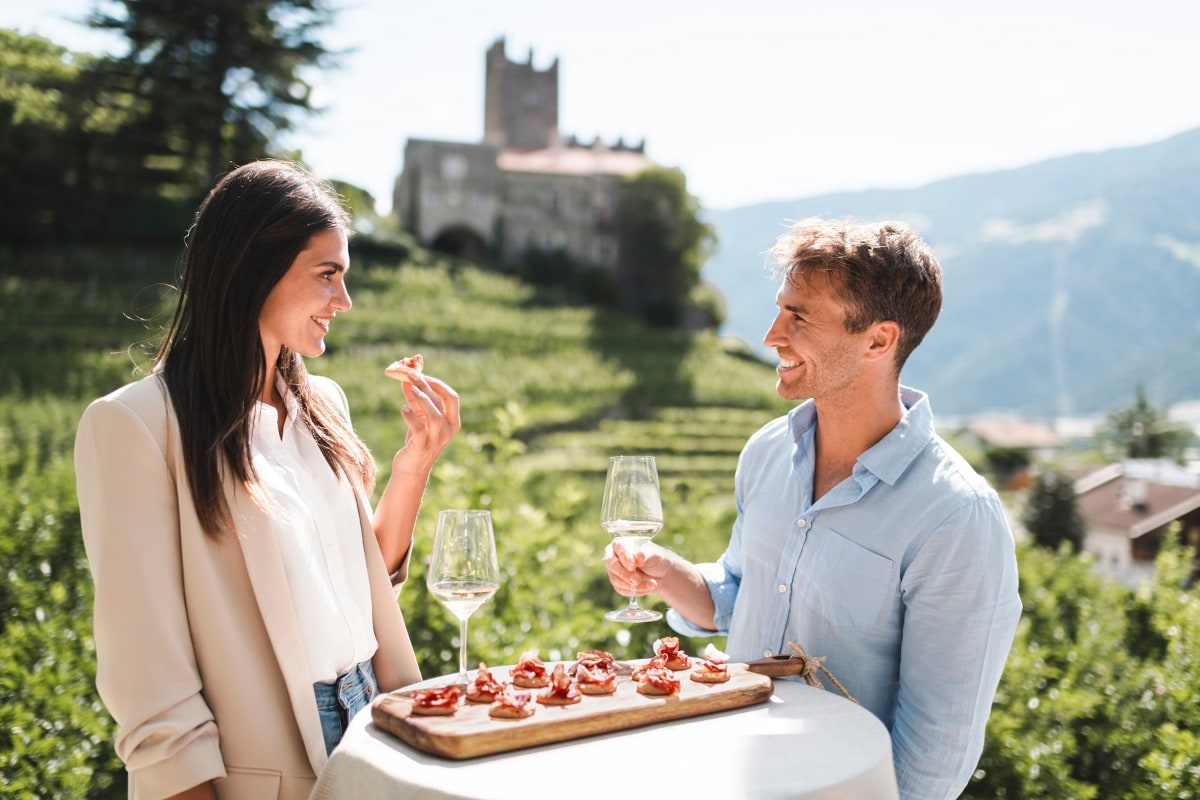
[{"x": 524, "y": 186}]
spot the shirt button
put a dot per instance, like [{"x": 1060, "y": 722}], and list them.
[
  {"x": 800, "y": 523},
  {"x": 783, "y": 588},
  {"x": 766, "y": 653}
]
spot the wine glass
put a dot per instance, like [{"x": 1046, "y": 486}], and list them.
[
  {"x": 463, "y": 572},
  {"x": 631, "y": 513}
]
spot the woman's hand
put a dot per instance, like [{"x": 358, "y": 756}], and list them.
[
  {"x": 432, "y": 418},
  {"x": 432, "y": 415}
]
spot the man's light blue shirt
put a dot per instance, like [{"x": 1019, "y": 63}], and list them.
[{"x": 903, "y": 577}]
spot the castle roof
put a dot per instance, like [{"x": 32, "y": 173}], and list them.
[{"x": 574, "y": 161}]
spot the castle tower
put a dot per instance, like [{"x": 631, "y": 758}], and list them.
[{"x": 520, "y": 107}]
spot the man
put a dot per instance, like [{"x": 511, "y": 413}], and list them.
[{"x": 860, "y": 534}]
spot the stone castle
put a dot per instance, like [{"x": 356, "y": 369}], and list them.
[{"x": 524, "y": 187}]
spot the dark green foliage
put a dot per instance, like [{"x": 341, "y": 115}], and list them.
[
  {"x": 51, "y": 135},
  {"x": 1005, "y": 463},
  {"x": 1081, "y": 714},
  {"x": 55, "y": 737},
  {"x": 1052, "y": 512},
  {"x": 217, "y": 80},
  {"x": 1142, "y": 431},
  {"x": 663, "y": 245},
  {"x": 121, "y": 149}
]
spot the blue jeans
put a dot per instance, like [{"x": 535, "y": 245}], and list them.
[{"x": 338, "y": 702}]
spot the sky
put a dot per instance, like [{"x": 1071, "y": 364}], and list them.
[{"x": 757, "y": 100}]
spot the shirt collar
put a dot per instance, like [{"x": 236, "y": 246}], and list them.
[
  {"x": 890, "y": 456},
  {"x": 267, "y": 415},
  {"x": 289, "y": 398}
]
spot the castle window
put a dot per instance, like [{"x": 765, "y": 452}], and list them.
[{"x": 454, "y": 167}]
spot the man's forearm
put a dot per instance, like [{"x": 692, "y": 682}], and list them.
[{"x": 683, "y": 588}]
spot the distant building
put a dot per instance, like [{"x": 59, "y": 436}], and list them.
[
  {"x": 524, "y": 186},
  {"x": 1012, "y": 432},
  {"x": 1011, "y": 444},
  {"x": 1127, "y": 507}
]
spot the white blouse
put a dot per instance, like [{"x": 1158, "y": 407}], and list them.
[{"x": 320, "y": 538}]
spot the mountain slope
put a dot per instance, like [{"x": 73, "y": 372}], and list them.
[{"x": 1067, "y": 282}]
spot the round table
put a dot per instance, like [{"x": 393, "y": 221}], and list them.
[{"x": 802, "y": 743}]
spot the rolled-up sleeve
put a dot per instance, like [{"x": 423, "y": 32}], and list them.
[
  {"x": 723, "y": 578},
  {"x": 723, "y": 589},
  {"x": 146, "y": 668},
  {"x": 961, "y": 612}
]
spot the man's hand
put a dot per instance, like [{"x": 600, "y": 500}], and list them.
[
  {"x": 655, "y": 569},
  {"x": 635, "y": 574}
]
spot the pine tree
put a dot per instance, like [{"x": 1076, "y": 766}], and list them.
[
  {"x": 215, "y": 81},
  {"x": 1052, "y": 511},
  {"x": 1142, "y": 431}
]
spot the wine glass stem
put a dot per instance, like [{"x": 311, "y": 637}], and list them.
[{"x": 462, "y": 650}]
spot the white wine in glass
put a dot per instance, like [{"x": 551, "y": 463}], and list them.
[
  {"x": 463, "y": 572},
  {"x": 631, "y": 513}
]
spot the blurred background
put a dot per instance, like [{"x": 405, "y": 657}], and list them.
[{"x": 566, "y": 209}]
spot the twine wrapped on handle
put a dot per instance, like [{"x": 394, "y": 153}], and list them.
[{"x": 811, "y": 665}]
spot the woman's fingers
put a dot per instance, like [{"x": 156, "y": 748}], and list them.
[{"x": 432, "y": 416}]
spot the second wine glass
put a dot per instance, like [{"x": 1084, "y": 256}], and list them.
[
  {"x": 631, "y": 513},
  {"x": 463, "y": 572}
]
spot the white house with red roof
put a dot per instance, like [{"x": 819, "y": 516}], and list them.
[{"x": 1127, "y": 508}]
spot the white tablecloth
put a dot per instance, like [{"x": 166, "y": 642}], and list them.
[{"x": 802, "y": 743}]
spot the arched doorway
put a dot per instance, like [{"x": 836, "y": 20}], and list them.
[{"x": 461, "y": 241}]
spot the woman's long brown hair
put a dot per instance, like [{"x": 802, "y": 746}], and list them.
[{"x": 246, "y": 234}]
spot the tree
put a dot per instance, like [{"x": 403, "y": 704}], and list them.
[
  {"x": 1142, "y": 431},
  {"x": 663, "y": 244},
  {"x": 218, "y": 80},
  {"x": 1052, "y": 511},
  {"x": 45, "y": 130}
]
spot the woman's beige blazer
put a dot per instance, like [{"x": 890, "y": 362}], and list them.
[{"x": 199, "y": 654}]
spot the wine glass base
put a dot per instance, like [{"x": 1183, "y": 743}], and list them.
[{"x": 633, "y": 615}]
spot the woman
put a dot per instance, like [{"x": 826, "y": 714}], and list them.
[{"x": 244, "y": 610}]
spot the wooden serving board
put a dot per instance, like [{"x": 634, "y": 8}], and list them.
[{"x": 470, "y": 732}]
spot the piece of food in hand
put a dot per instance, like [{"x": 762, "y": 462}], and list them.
[
  {"x": 530, "y": 672},
  {"x": 404, "y": 368},
  {"x": 511, "y": 704},
  {"x": 437, "y": 702},
  {"x": 658, "y": 681},
  {"x": 595, "y": 681},
  {"x": 667, "y": 648},
  {"x": 562, "y": 691},
  {"x": 709, "y": 671},
  {"x": 485, "y": 688}
]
